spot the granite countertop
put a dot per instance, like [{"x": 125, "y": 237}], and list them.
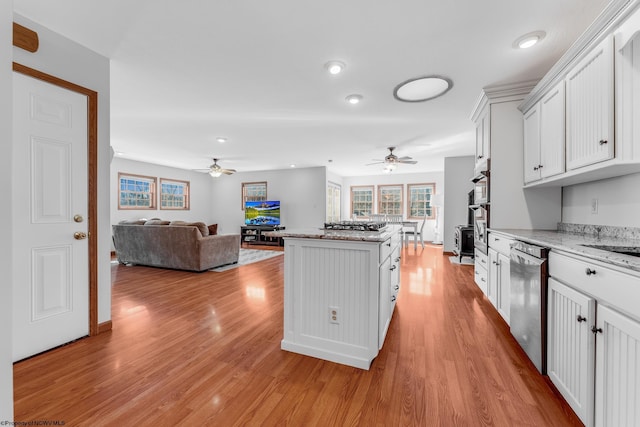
[
  {"x": 350, "y": 235},
  {"x": 573, "y": 242}
]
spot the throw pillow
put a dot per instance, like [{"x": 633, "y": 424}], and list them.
[
  {"x": 201, "y": 226},
  {"x": 213, "y": 229},
  {"x": 133, "y": 221}
]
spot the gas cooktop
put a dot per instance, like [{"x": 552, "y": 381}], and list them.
[{"x": 355, "y": 225}]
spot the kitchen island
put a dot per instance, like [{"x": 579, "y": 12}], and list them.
[{"x": 340, "y": 289}]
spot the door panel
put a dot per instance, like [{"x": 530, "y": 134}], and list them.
[{"x": 51, "y": 275}]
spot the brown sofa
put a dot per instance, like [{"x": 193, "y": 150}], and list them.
[{"x": 181, "y": 247}]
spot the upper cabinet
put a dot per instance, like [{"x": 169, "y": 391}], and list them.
[
  {"x": 589, "y": 108},
  {"x": 579, "y": 120},
  {"x": 544, "y": 131},
  {"x": 483, "y": 145}
]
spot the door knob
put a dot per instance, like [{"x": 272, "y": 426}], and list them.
[
  {"x": 78, "y": 218},
  {"x": 79, "y": 235}
]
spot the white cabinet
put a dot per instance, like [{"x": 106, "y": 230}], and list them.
[
  {"x": 532, "y": 144},
  {"x": 339, "y": 296},
  {"x": 499, "y": 288},
  {"x": 480, "y": 271},
  {"x": 617, "y": 369},
  {"x": 589, "y": 108},
  {"x": 570, "y": 347},
  {"x": 606, "y": 298},
  {"x": 483, "y": 145}
]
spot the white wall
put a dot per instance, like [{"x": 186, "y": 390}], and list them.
[
  {"x": 200, "y": 185},
  {"x": 386, "y": 179},
  {"x": 70, "y": 61},
  {"x": 618, "y": 202},
  {"x": 6, "y": 109},
  {"x": 302, "y": 193},
  {"x": 458, "y": 172}
]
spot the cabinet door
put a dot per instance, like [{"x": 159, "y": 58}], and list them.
[
  {"x": 617, "y": 369},
  {"x": 532, "y": 144},
  {"x": 589, "y": 99},
  {"x": 552, "y": 132},
  {"x": 395, "y": 272},
  {"x": 504, "y": 287},
  {"x": 482, "y": 137},
  {"x": 492, "y": 288},
  {"x": 384, "y": 313},
  {"x": 570, "y": 347}
]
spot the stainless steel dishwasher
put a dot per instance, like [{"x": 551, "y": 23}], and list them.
[{"x": 528, "y": 311}]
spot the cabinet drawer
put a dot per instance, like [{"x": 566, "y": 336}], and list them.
[
  {"x": 481, "y": 278},
  {"x": 481, "y": 259},
  {"x": 607, "y": 285},
  {"x": 385, "y": 249},
  {"x": 500, "y": 243}
]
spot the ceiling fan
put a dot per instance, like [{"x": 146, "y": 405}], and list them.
[
  {"x": 391, "y": 160},
  {"x": 215, "y": 170}
]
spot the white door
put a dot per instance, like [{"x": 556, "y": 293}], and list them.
[{"x": 50, "y": 202}]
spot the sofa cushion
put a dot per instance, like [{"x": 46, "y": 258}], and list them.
[
  {"x": 202, "y": 227},
  {"x": 133, "y": 221},
  {"x": 213, "y": 229},
  {"x": 157, "y": 222}
]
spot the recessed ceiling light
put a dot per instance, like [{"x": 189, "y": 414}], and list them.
[
  {"x": 221, "y": 139},
  {"x": 292, "y": 165},
  {"x": 335, "y": 67},
  {"x": 354, "y": 99},
  {"x": 528, "y": 40},
  {"x": 422, "y": 88}
]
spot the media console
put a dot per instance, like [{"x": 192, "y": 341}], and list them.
[{"x": 253, "y": 235}]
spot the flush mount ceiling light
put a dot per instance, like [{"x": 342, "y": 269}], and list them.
[
  {"x": 354, "y": 99},
  {"x": 221, "y": 139},
  {"x": 528, "y": 40},
  {"x": 335, "y": 67},
  {"x": 422, "y": 89}
]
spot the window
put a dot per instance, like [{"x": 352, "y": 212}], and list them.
[
  {"x": 390, "y": 199},
  {"x": 136, "y": 191},
  {"x": 419, "y": 201},
  {"x": 174, "y": 194},
  {"x": 333, "y": 202},
  {"x": 361, "y": 201},
  {"x": 253, "y": 192}
]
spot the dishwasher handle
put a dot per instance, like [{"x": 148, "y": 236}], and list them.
[{"x": 515, "y": 254}]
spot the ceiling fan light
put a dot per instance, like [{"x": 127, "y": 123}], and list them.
[{"x": 215, "y": 173}]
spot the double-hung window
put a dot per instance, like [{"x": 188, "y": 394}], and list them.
[
  {"x": 419, "y": 201},
  {"x": 174, "y": 194},
  {"x": 136, "y": 191},
  {"x": 361, "y": 201},
  {"x": 390, "y": 199}
]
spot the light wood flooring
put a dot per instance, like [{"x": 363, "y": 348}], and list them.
[{"x": 198, "y": 349}]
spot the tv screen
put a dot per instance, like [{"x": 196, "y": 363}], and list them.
[{"x": 266, "y": 212}]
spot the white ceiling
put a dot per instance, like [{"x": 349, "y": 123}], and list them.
[{"x": 186, "y": 72}]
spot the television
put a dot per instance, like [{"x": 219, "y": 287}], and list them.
[{"x": 266, "y": 212}]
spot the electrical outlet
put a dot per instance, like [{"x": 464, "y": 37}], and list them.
[
  {"x": 334, "y": 315},
  {"x": 594, "y": 206}
]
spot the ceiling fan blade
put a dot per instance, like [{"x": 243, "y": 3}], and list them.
[
  {"x": 408, "y": 162},
  {"x": 227, "y": 171},
  {"x": 202, "y": 170},
  {"x": 375, "y": 163},
  {"x": 404, "y": 158}
]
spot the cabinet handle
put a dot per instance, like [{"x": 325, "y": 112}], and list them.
[
  {"x": 535, "y": 168},
  {"x": 389, "y": 244},
  {"x": 480, "y": 156},
  {"x": 540, "y": 166},
  {"x": 596, "y": 330},
  {"x": 398, "y": 259},
  {"x": 393, "y": 267},
  {"x": 496, "y": 239},
  {"x": 396, "y": 287},
  {"x": 590, "y": 271},
  {"x": 581, "y": 319},
  {"x": 393, "y": 298},
  {"x": 603, "y": 141},
  {"x": 482, "y": 278}
]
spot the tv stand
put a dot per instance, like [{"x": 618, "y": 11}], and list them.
[{"x": 253, "y": 235}]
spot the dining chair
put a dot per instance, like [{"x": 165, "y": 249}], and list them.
[
  {"x": 378, "y": 217},
  {"x": 394, "y": 219},
  {"x": 417, "y": 234}
]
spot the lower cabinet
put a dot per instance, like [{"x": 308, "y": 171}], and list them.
[
  {"x": 499, "y": 288},
  {"x": 570, "y": 347},
  {"x": 593, "y": 351},
  {"x": 481, "y": 275}
]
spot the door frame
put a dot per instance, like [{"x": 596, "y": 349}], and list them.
[{"x": 92, "y": 176}]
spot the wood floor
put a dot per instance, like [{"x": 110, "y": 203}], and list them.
[{"x": 204, "y": 349}]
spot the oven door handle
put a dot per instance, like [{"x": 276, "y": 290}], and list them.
[{"x": 515, "y": 254}]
